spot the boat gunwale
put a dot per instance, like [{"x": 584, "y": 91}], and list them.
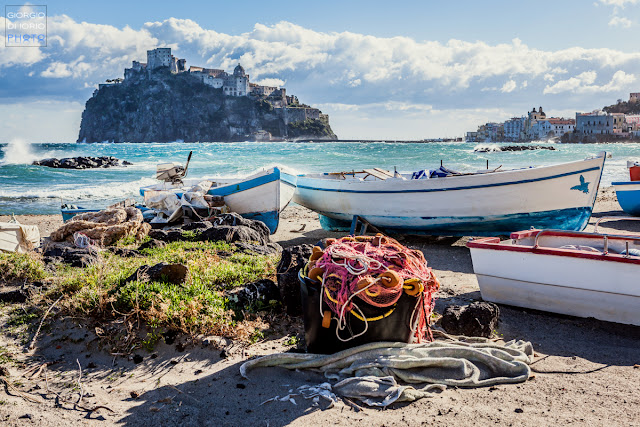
[
  {"x": 418, "y": 182},
  {"x": 494, "y": 243}
]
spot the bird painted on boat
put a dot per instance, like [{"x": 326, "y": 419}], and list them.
[{"x": 583, "y": 186}]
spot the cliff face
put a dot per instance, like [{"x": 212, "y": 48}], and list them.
[{"x": 165, "y": 107}]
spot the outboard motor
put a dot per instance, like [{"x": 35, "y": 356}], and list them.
[{"x": 172, "y": 172}]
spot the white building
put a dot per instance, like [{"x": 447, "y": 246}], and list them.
[
  {"x": 562, "y": 126},
  {"x": 236, "y": 84},
  {"x": 513, "y": 128}
]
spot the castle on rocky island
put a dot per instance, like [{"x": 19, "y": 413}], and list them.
[
  {"x": 162, "y": 100},
  {"x": 235, "y": 84}
]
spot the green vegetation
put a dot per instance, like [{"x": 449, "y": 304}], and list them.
[
  {"x": 625, "y": 107},
  {"x": 196, "y": 306},
  {"x": 310, "y": 128},
  {"x": 20, "y": 267},
  {"x": 100, "y": 291},
  {"x": 291, "y": 341}
]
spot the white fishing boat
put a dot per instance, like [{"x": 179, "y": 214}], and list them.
[
  {"x": 261, "y": 196},
  {"x": 484, "y": 203},
  {"x": 569, "y": 272}
]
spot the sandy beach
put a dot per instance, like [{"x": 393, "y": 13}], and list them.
[{"x": 586, "y": 371}]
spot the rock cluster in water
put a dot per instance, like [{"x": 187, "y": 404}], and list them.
[
  {"x": 82, "y": 162},
  {"x": 513, "y": 148}
]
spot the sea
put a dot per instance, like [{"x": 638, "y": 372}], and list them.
[{"x": 28, "y": 189}]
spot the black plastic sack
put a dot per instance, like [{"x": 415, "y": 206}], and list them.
[{"x": 395, "y": 327}]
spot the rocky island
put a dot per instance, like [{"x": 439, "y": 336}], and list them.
[{"x": 162, "y": 101}]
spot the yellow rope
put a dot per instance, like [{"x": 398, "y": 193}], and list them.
[{"x": 368, "y": 319}]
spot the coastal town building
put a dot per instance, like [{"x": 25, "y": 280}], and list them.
[
  {"x": 534, "y": 126},
  {"x": 530, "y": 129},
  {"x": 561, "y": 126},
  {"x": 596, "y": 122},
  {"x": 513, "y": 128}
]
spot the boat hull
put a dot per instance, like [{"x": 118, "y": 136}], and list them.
[
  {"x": 559, "y": 196},
  {"x": 261, "y": 197},
  {"x": 571, "y": 282},
  {"x": 628, "y": 194}
]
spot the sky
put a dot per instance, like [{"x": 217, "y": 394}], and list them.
[{"x": 381, "y": 70}]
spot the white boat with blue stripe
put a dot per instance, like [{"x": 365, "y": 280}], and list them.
[
  {"x": 261, "y": 196},
  {"x": 485, "y": 203}
]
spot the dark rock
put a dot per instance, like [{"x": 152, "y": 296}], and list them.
[
  {"x": 91, "y": 365},
  {"x": 224, "y": 354},
  {"x": 234, "y": 219},
  {"x": 291, "y": 261},
  {"x": 249, "y": 296},
  {"x": 82, "y": 162},
  {"x": 268, "y": 249},
  {"x": 199, "y": 225},
  {"x": 230, "y": 234},
  {"x": 153, "y": 243},
  {"x": 478, "y": 319},
  {"x": 158, "y": 235},
  {"x": 124, "y": 252},
  {"x": 25, "y": 416},
  {"x": 126, "y": 163},
  {"x": 162, "y": 272},
  {"x": 14, "y": 295},
  {"x": 174, "y": 236},
  {"x": 518, "y": 411},
  {"x": 137, "y": 359},
  {"x": 241, "y": 386},
  {"x": 76, "y": 257}
]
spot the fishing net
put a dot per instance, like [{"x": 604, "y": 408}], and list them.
[
  {"x": 104, "y": 227},
  {"x": 374, "y": 271}
]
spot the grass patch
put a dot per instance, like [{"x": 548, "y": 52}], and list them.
[
  {"x": 197, "y": 306},
  {"x": 20, "y": 267}
]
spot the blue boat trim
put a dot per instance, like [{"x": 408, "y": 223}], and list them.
[
  {"x": 469, "y": 187},
  {"x": 234, "y": 188},
  {"x": 271, "y": 219},
  {"x": 626, "y": 183},
  {"x": 566, "y": 219}
]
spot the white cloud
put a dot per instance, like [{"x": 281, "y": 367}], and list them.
[
  {"x": 270, "y": 82},
  {"x": 617, "y": 21},
  {"x": 509, "y": 86},
  {"x": 583, "y": 83},
  {"x": 619, "y": 3}
]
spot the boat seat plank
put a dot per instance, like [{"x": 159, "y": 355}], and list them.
[{"x": 378, "y": 173}]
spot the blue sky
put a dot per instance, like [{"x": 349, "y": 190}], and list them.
[{"x": 407, "y": 70}]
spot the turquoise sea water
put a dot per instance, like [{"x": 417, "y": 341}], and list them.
[{"x": 26, "y": 189}]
